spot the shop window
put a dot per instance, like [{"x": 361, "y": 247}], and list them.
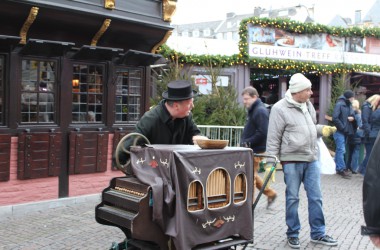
[
  {"x": 128, "y": 95},
  {"x": 240, "y": 188},
  {"x": 38, "y": 91},
  {"x": 218, "y": 189},
  {"x": 195, "y": 197},
  {"x": 1, "y": 90},
  {"x": 87, "y": 93}
]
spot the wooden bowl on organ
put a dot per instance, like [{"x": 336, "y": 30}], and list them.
[{"x": 212, "y": 144}]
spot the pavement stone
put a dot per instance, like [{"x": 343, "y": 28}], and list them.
[{"x": 72, "y": 225}]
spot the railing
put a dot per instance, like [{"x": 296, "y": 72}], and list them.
[{"x": 231, "y": 133}]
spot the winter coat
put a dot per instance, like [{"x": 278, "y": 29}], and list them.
[
  {"x": 366, "y": 119},
  {"x": 256, "y": 127},
  {"x": 375, "y": 124},
  {"x": 292, "y": 134},
  {"x": 342, "y": 111},
  {"x": 159, "y": 127},
  {"x": 357, "y": 138},
  {"x": 371, "y": 190}
]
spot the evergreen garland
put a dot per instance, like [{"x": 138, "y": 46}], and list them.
[{"x": 278, "y": 66}]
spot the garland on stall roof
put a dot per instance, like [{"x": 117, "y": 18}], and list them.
[{"x": 275, "y": 65}]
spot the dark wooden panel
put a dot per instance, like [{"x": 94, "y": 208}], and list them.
[
  {"x": 88, "y": 152},
  {"x": 5, "y": 152},
  {"x": 39, "y": 155}
]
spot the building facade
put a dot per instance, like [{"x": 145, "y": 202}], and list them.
[{"x": 74, "y": 78}]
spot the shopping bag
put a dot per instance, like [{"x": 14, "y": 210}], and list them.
[{"x": 326, "y": 161}]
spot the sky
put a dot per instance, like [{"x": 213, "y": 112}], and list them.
[{"x": 193, "y": 11}]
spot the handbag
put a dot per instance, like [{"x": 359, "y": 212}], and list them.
[{"x": 326, "y": 161}]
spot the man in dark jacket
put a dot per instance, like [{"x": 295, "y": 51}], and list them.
[
  {"x": 371, "y": 190},
  {"x": 170, "y": 122},
  {"x": 344, "y": 120},
  {"x": 255, "y": 135}
]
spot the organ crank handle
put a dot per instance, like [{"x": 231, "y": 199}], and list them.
[{"x": 122, "y": 153}]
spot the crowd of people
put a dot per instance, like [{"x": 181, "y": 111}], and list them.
[{"x": 356, "y": 127}]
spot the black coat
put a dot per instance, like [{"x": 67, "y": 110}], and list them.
[
  {"x": 371, "y": 191},
  {"x": 366, "y": 118},
  {"x": 159, "y": 128},
  {"x": 256, "y": 127},
  {"x": 157, "y": 125},
  {"x": 342, "y": 111}
]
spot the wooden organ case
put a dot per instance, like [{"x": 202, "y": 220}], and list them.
[{"x": 192, "y": 196}]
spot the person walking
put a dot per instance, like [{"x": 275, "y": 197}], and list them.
[
  {"x": 292, "y": 137},
  {"x": 355, "y": 141},
  {"x": 344, "y": 119},
  {"x": 369, "y": 106},
  {"x": 255, "y": 135}
]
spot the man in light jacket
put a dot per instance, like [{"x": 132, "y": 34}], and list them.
[{"x": 292, "y": 137}]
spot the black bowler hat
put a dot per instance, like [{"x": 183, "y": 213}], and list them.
[{"x": 179, "y": 90}]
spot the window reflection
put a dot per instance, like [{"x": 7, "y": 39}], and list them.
[
  {"x": 38, "y": 87},
  {"x": 87, "y": 93},
  {"x": 1, "y": 90},
  {"x": 128, "y": 94}
]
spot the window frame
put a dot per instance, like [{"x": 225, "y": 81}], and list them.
[
  {"x": 2, "y": 89},
  {"x": 89, "y": 116},
  {"x": 139, "y": 96},
  {"x": 54, "y": 93}
]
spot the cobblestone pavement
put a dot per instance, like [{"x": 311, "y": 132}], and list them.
[{"x": 74, "y": 226}]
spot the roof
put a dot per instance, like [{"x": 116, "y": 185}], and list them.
[
  {"x": 200, "y": 26},
  {"x": 339, "y": 21},
  {"x": 373, "y": 13},
  {"x": 203, "y": 46},
  {"x": 232, "y": 23}
]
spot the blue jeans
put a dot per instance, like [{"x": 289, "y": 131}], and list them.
[
  {"x": 368, "y": 148},
  {"x": 353, "y": 159},
  {"x": 340, "y": 143},
  {"x": 309, "y": 174}
]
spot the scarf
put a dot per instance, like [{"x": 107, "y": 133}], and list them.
[{"x": 302, "y": 106}]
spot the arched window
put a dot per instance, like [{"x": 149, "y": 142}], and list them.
[
  {"x": 195, "y": 197},
  {"x": 240, "y": 188},
  {"x": 218, "y": 189}
]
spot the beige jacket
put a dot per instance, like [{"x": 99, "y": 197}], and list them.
[{"x": 292, "y": 135}]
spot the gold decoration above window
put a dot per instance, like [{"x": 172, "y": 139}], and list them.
[
  {"x": 109, "y": 4},
  {"x": 28, "y": 22},
  {"x": 168, "y": 7},
  {"x": 166, "y": 37},
  {"x": 101, "y": 31}
]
